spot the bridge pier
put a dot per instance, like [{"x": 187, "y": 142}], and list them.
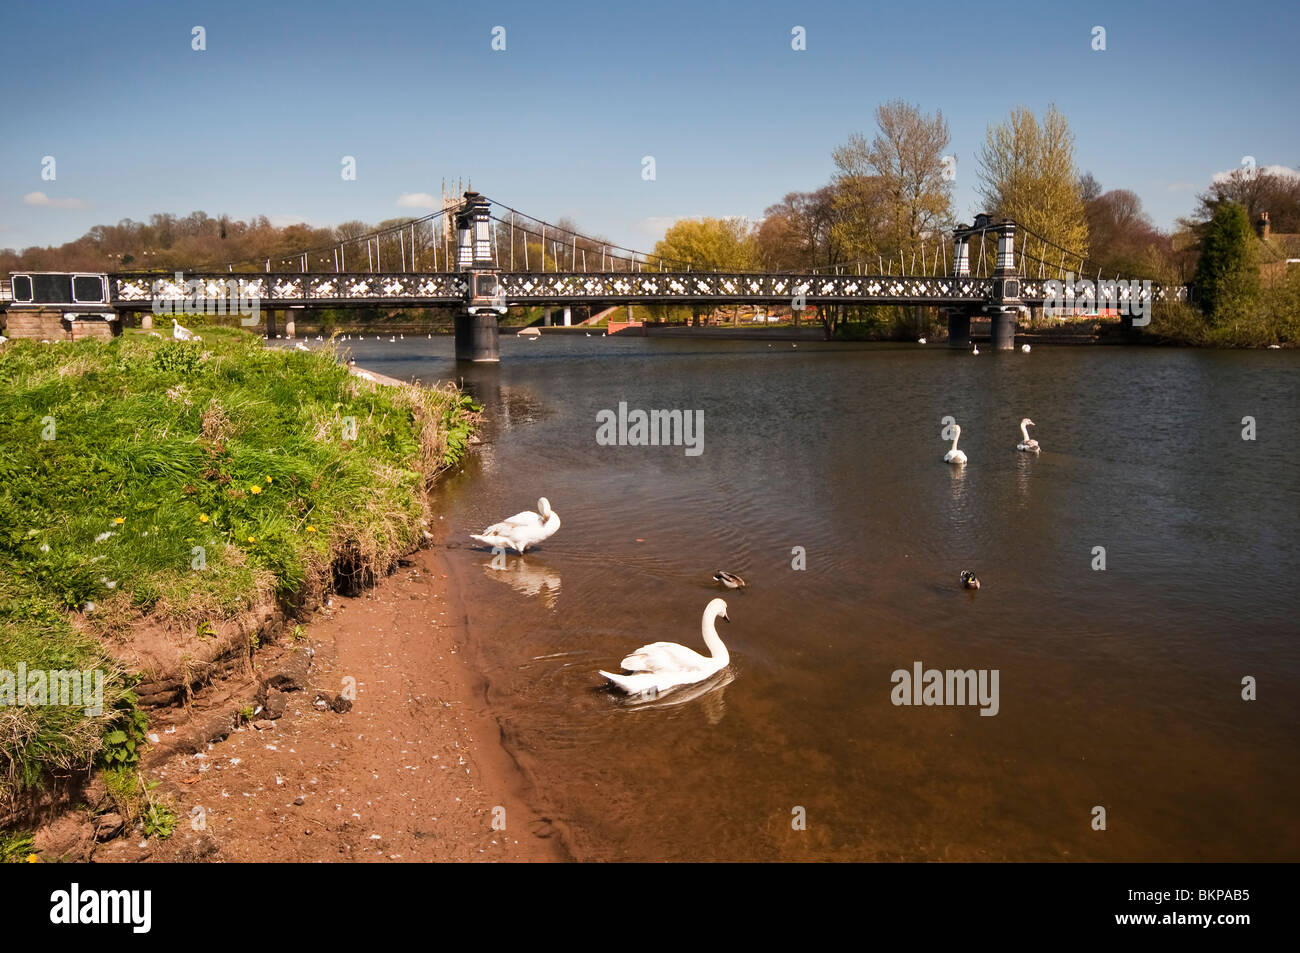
[
  {"x": 958, "y": 328},
  {"x": 478, "y": 338},
  {"x": 1003, "y": 321}
]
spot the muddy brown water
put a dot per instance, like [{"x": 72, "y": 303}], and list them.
[{"x": 1119, "y": 689}]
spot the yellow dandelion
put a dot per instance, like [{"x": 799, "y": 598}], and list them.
[
  {"x": 268, "y": 479},
  {"x": 203, "y": 518},
  {"x": 311, "y": 529},
  {"x": 252, "y": 539},
  {"x": 33, "y": 859},
  {"x": 119, "y": 520},
  {"x": 254, "y": 489}
]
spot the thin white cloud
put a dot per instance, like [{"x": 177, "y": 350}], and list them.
[
  {"x": 284, "y": 221},
  {"x": 1279, "y": 170},
  {"x": 418, "y": 200},
  {"x": 43, "y": 200}
]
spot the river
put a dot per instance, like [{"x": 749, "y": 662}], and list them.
[{"x": 1119, "y": 689}]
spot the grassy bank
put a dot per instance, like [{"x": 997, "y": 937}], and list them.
[{"x": 182, "y": 483}]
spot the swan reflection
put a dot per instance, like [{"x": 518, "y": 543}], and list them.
[
  {"x": 711, "y": 691},
  {"x": 529, "y": 578}
]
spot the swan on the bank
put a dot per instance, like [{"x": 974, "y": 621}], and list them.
[
  {"x": 969, "y": 580},
  {"x": 523, "y": 529},
  {"x": 729, "y": 579},
  {"x": 1027, "y": 444},
  {"x": 661, "y": 666},
  {"x": 181, "y": 333},
  {"x": 954, "y": 455}
]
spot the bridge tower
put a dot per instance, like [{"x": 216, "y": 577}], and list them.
[
  {"x": 959, "y": 318},
  {"x": 1004, "y": 305},
  {"x": 477, "y": 333}
]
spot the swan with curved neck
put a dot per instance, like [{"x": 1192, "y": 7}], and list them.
[
  {"x": 1027, "y": 443},
  {"x": 954, "y": 455},
  {"x": 662, "y": 666},
  {"x": 523, "y": 529}
]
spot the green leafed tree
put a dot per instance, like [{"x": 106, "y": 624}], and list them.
[
  {"x": 895, "y": 192},
  {"x": 709, "y": 244},
  {"x": 1027, "y": 173},
  {"x": 1227, "y": 275}
]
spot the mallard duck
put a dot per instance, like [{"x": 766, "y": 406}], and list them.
[
  {"x": 729, "y": 579},
  {"x": 969, "y": 580},
  {"x": 662, "y": 666}
]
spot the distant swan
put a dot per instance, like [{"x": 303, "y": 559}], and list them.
[
  {"x": 729, "y": 579},
  {"x": 523, "y": 529},
  {"x": 180, "y": 333},
  {"x": 1024, "y": 348},
  {"x": 1026, "y": 444},
  {"x": 954, "y": 455},
  {"x": 920, "y": 340},
  {"x": 975, "y": 349},
  {"x": 662, "y": 666}
]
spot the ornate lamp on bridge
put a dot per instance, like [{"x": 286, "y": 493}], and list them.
[{"x": 477, "y": 334}]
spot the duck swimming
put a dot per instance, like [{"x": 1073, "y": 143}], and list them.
[
  {"x": 969, "y": 580},
  {"x": 729, "y": 579}
]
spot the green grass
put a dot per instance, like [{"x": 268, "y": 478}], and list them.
[{"x": 169, "y": 456}]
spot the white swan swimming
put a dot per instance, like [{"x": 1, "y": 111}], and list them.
[
  {"x": 954, "y": 455},
  {"x": 661, "y": 666},
  {"x": 523, "y": 529},
  {"x": 1027, "y": 444},
  {"x": 1025, "y": 349},
  {"x": 920, "y": 340},
  {"x": 975, "y": 349}
]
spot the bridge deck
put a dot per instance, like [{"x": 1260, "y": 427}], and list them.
[{"x": 431, "y": 289}]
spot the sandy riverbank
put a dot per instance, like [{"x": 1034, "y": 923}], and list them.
[{"x": 415, "y": 771}]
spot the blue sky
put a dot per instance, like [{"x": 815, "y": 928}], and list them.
[{"x": 558, "y": 123}]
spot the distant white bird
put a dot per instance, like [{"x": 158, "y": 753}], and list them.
[
  {"x": 3, "y": 339},
  {"x": 301, "y": 347},
  {"x": 954, "y": 455},
  {"x": 1026, "y": 444},
  {"x": 975, "y": 349},
  {"x": 920, "y": 340},
  {"x": 392, "y": 340},
  {"x": 662, "y": 666},
  {"x": 180, "y": 333},
  {"x": 523, "y": 529},
  {"x": 1024, "y": 348},
  {"x": 365, "y": 374}
]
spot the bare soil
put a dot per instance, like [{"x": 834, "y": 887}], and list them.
[{"x": 414, "y": 771}]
